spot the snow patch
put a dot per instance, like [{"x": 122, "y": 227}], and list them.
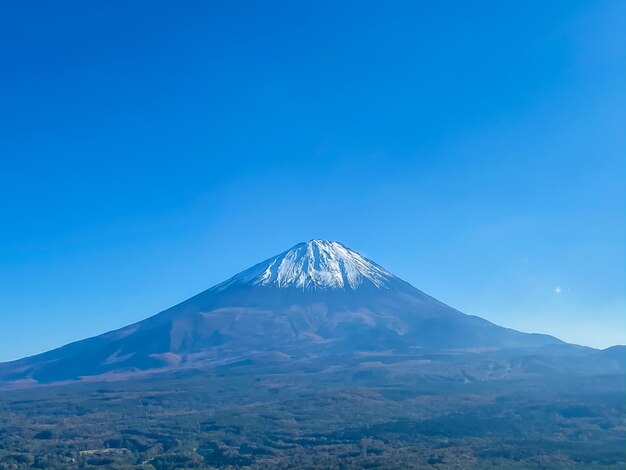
[{"x": 317, "y": 264}]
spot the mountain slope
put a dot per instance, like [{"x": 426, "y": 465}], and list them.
[
  {"x": 318, "y": 298},
  {"x": 316, "y": 264}
]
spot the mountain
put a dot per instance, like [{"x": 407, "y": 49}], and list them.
[{"x": 317, "y": 299}]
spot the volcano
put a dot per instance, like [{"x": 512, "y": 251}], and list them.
[{"x": 319, "y": 298}]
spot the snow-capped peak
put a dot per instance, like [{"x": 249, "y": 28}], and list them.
[{"x": 317, "y": 264}]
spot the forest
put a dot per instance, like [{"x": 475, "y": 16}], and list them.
[{"x": 311, "y": 420}]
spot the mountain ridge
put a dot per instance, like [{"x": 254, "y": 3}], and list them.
[
  {"x": 315, "y": 264},
  {"x": 317, "y": 299}
]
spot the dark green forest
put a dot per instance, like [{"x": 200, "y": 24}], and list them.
[{"x": 309, "y": 420}]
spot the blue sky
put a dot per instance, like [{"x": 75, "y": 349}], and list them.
[{"x": 152, "y": 149}]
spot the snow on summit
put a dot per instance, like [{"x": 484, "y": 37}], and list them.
[{"x": 317, "y": 264}]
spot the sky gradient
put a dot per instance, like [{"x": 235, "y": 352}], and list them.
[{"x": 149, "y": 151}]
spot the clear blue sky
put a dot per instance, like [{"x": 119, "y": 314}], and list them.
[{"x": 151, "y": 149}]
